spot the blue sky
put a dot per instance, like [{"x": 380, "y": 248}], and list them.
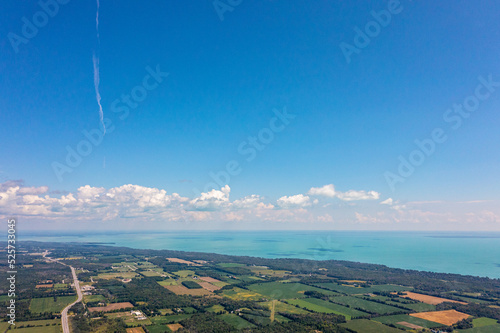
[{"x": 226, "y": 81}]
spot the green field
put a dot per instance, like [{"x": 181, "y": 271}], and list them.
[
  {"x": 216, "y": 308},
  {"x": 347, "y": 289},
  {"x": 93, "y": 298},
  {"x": 41, "y": 326},
  {"x": 169, "y": 319},
  {"x": 418, "y": 307},
  {"x": 158, "y": 329},
  {"x": 472, "y": 300},
  {"x": 47, "y": 304},
  {"x": 42, "y": 329},
  {"x": 319, "y": 305},
  {"x": 480, "y": 322},
  {"x": 283, "y": 307},
  {"x": 359, "y": 303},
  {"x": 236, "y": 321},
  {"x": 184, "y": 273},
  {"x": 278, "y": 290},
  {"x": 168, "y": 282},
  {"x": 483, "y": 329},
  {"x": 409, "y": 319},
  {"x": 230, "y": 264},
  {"x": 369, "y": 326},
  {"x": 242, "y": 294}
]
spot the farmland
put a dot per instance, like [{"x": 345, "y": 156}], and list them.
[
  {"x": 365, "y": 305},
  {"x": 447, "y": 317},
  {"x": 48, "y": 304},
  {"x": 143, "y": 291},
  {"x": 278, "y": 290},
  {"x": 318, "y": 305}
]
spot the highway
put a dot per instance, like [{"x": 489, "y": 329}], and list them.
[{"x": 64, "y": 313}]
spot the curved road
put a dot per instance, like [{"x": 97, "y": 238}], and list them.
[{"x": 64, "y": 313}]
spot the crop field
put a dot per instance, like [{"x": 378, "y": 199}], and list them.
[
  {"x": 135, "y": 330},
  {"x": 448, "y": 317},
  {"x": 236, "y": 321},
  {"x": 365, "y": 305},
  {"x": 242, "y": 294},
  {"x": 277, "y": 290},
  {"x": 268, "y": 272},
  {"x": 419, "y": 307},
  {"x": 284, "y": 307},
  {"x": 184, "y": 273},
  {"x": 168, "y": 282},
  {"x": 208, "y": 286},
  {"x": 216, "y": 308},
  {"x": 369, "y": 326},
  {"x": 40, "y": 329},
  {"x": 128, "y": 318},
  {"x": 174, "y": 327},
  {"x": 396, "y": 319},
  {"x": 158, "y": 328},
  {"x": 230, "y": 264},
  {"x": 318, "y": 305},
  {"x": 480, "y": 322},
  {"x": 428, "y": 299},
  {"x": 124, "y": 275},
  {"x": 93, "y": 298},
  {"x": 351, "y": 290},
  {"x": 112, "y": 307},
  {"x": 150, "y": 273},
  {"x": 47, "y": 304},
  {"x": 181, "y": 290},
  {"x": 483, "y": 329},
  {"x": 170, "y": 319}
]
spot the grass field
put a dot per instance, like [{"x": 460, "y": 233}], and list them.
[
  {"x": 184, "y": 273},
  {"x": 483, "y": 329},
  {"x": 318, "y": 305},
  {"x": 347, "y": 289},
  {"x": 365, "y": 305},
  {"x": 242, "y": 294},
  {"x": 169, "y": 319},
  {"x": 42, "y": 329},
  {"x": 181, "y": 290},
  {"x": 216, "y": 308},
  {"x": 369, "y": 326},
  {"x": 277, "y": 290},
  {"x": 283, "y": 307},
  {"x": 47, "y": 304},
  {"x": 236, "y": 321},
  {"x": 406, "y": 318},
  {"x": 168, "y": 282},
  {"x": 41, "y": 326},
  {"x": 419, "y": 307},
  {"x": 124, "y": 275},
  {"x": 128, "y": 318},
  {"x": 480, "y": 322},
  {"x": 93, "y": 298},
  {"x": 158, "y": 329},
  {"x": 230, "y": 264}
]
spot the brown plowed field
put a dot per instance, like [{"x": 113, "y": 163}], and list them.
[
  {"x": 448, "y": 317},
  {"x": 429, "y": 299}
]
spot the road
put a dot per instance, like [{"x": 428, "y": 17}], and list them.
[{"x": 64, "y": 313}]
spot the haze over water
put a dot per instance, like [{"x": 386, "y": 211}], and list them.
[{"x": 468, "y": 253}]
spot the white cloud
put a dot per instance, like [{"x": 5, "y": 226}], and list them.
[
  {"x": 325, "y": 191},
  {"x": 387, "y": 202},
  {"x": 213, "y": 200},
  {"x": 358, "y": 195},
  {"x": 294, "y": 201}
]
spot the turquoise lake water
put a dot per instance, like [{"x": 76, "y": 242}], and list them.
[{"x": 469, "y": 253}]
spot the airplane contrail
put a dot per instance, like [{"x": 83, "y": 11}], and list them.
[{"x": 95, "y": 60}]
